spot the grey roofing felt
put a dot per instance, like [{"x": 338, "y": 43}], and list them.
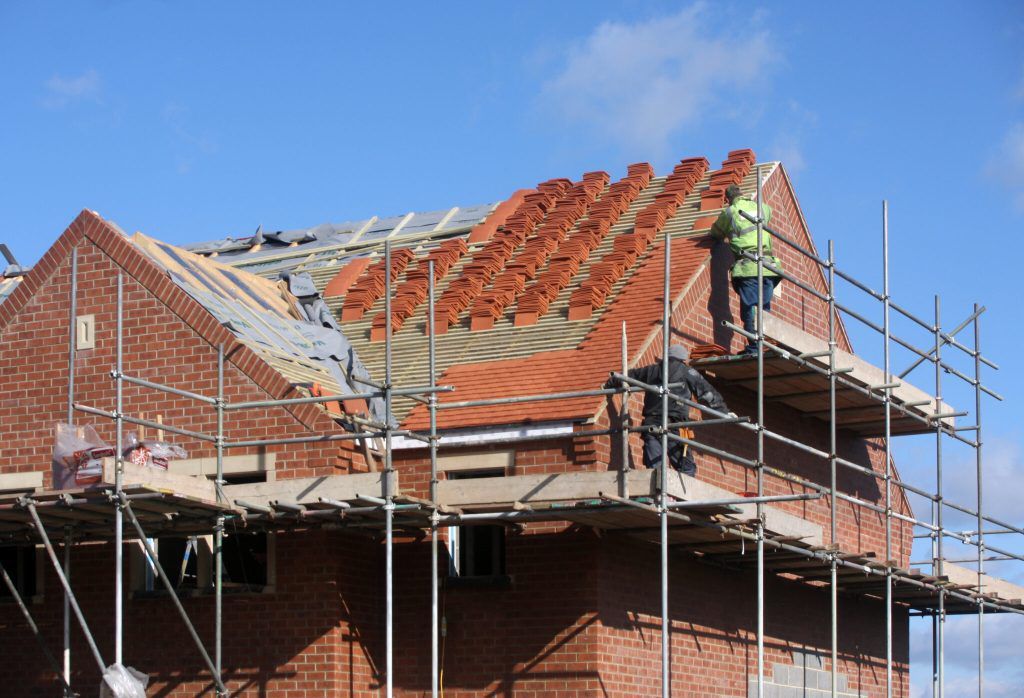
[{"x": 308, "y": 240}]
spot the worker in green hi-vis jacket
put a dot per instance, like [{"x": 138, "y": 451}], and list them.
[{"x": 741, "y": 234}]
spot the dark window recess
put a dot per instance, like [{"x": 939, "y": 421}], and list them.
[
  {"x": 20, "y": 564},
  {"x": 180, "y": 559},
  {"x": 481, "y": 551},
  {"x": 245, "y": 560},
  {"x": 476, "y": 551}
]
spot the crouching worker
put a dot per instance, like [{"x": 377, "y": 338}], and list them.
[{"x": 689, "y": 384}]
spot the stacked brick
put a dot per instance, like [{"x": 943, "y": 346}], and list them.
[
  {"x": 576, "y": 248},
  {"x": 371, "y": 286},
  {"x": 413, "y": 291}
]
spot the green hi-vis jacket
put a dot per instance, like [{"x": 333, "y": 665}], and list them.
[{"x": 742, "y": 236}]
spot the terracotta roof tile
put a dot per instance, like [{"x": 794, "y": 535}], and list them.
[{"x": 538, "y": 290}]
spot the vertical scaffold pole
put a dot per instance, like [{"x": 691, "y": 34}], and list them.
[
  {"x": 887, "y": 398},
  {"x": 118, "y": 479},
  {"x": 389, "y": 499},
  {"x": 624, "y": 418},
  {"x": 218, "y": 532},
  {"x": 72, "y": 334},
  {"x": 981, "y": 528},
  {"x": 666, "y": 321},
  {"x": 832, "y": 449},
  {"x": 760, "y": 439},
  {"x": 938, "y": 566},
  {"x": 67, "y": 612},
  {"x": 434, "y": 517},
  {"x": 72, "y": 348}
]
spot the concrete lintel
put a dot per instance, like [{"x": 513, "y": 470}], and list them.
[
  {"x": 233, "y": 465},
  {"x": 308, "y": 490},
  {"x": 20, "y": 482},
  {"x": 495, "y": 492}
]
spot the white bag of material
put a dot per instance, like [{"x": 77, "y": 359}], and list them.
[
  {"x": 78, "y": 454},
  {"x": 123, "y": 682}
]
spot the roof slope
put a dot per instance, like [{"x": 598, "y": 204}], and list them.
[
  {"x": 255, "y": 311},
  {"x": 531, "y": 299}
]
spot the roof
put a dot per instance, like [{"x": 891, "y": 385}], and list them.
[
  {"x": 255, "y": 311},
  {"x": 530, "y": 298}
]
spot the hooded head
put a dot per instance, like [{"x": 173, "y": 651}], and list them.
[
  {"x": 678, "y": 352},
  {"x": 732, "y": 193}
]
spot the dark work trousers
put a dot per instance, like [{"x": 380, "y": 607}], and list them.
[
  {"x": 746, "y": 289},
  {"x": 676, "y": 457}
]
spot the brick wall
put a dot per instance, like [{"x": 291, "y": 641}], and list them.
[{"x": 319, "y": 630}]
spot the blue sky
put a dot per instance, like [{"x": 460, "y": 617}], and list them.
[{"x": 192, "y": 121}]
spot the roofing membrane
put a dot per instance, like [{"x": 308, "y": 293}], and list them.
[
  {"x": 254, "y": 309},
  {"x": 7, "y": 286},
  {"x": 304, "y": 241}
]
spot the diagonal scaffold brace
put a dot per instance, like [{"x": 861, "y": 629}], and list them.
[
  {"x": 51, "y": 660},
  {"x": 155, "y": 562},
  {"x": 30, "y": 506}
]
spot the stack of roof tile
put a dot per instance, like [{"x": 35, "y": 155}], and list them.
[
  {"x": 343, "y": 280},
  {"x": 487, "y": 261},
  {"x": 572, "y": 205},
  {"x": 703, "y": 351},
  {"x": 415, "y": 288},
  {"x": 734, "y": 168},
  {"x": 371, "y": 285},
  {"x": 574, "y": 250},
  {"x": 628, "y": 246}
]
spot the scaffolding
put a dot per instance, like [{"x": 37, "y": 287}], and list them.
[{"x": 879, "y": 410}]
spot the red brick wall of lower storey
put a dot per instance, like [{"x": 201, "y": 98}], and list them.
[
  {"x": 320, "y": 633},
  {"x": 581, "y": 618}
]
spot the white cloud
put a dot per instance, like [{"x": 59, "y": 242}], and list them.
[
  {"x": 62, "y": 91},
  {"x": 1007, "y": 166},
  {"x": 788, "y": 145},
  {"x": 1003, "y": 673},
  {"x": 1003, "y": 470},
  {"x": 639, "y": 83}
]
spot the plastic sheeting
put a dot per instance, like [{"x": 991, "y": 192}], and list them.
[
  {"x": 121, "y": 681},
  {"x": 253, "y": 309}
]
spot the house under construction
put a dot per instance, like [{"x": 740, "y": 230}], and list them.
[{"x": 405, "y": 474}]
